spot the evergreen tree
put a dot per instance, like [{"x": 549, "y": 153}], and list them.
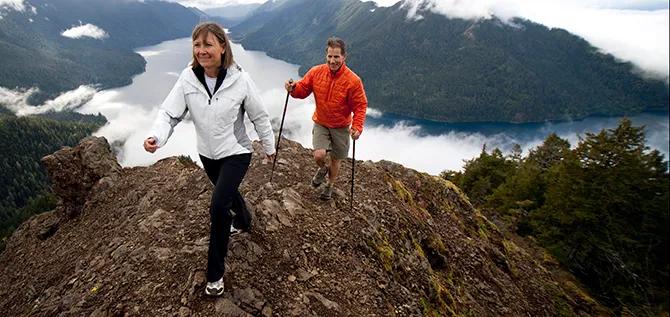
[
  {"x": 524, "y": 190},
  {"x": 484, "y": 174},
  {"x": 605, "y": 216}
]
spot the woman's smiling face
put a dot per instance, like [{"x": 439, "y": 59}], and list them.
[{"x": 208, "y": 51}]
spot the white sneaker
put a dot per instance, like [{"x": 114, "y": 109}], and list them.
[
  {"x": 234, "y": 231},
  {"x": 214, "y": 288}
]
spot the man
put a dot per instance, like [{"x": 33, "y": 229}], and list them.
[{"x": 338, "y": 92}]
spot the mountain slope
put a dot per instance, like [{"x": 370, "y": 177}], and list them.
[
  {"x": 35, "y": 54},
  {"x": 453, "y": 69},
  {"x": 134, "y": 241}
]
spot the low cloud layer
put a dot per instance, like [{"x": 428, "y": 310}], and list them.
[
  {"x": 17, "y": 100},
  {"x": 86, "y": 30}
]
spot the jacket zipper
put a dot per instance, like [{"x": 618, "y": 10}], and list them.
[{"x": 330, "y": 90}]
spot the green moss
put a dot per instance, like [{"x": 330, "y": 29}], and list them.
[
  {"x": 579, "y": 293},
  {"x": 451, "y": 187},
  {"x": 482, "y": 232},
  {"x": 484, "y": 226},
  {"x": 435, "y": 243},
  {"x": 384, "y": 250},
  {"x": 418, "y": 249},
  {"x": 402, "y": 192},
  {"x": 442, "y": 296},
  {"x": 510, "y": 249},
  {"x": 386, "y": 255},
  {"x": 428, "y": 309}
]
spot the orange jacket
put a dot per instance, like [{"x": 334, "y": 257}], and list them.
[{"x": 337, "y": 96}]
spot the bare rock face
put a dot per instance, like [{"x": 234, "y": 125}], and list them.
[
  {"x": 75, "y": 171},
  {"x": 412, "y": 245}
]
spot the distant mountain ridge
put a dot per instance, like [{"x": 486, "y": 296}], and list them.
[
  {"x": 453, "y": 69},
  {"x": 35, "y": 54},
  {"x": 232, "y": 14}
]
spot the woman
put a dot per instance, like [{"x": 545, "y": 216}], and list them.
[{"x": 217, "y": 93}]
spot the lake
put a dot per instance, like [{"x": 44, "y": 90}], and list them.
[{"x": 420, "y": 144}]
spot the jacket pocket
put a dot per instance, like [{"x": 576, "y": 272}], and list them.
[
  {"x": 226, "y": 110},
  {"x": 193, "y": 97}
]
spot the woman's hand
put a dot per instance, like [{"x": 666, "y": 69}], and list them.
[
  {"x": 150, "y": 145},
  {"x": 271, "y": 157}
]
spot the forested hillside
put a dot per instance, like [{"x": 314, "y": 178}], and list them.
[
  {"x": 24, "y": 186},
  {"x": 600, "y": 208},
  {"x": 454, "y": 69},
  {"x": 35, "y": 54}
]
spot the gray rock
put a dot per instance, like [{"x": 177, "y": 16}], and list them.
[
  {"x": 267, "y": 311},
  {"x": 292, "y": 202},
  {"x": 74, "y": 172},
  {"x": 225, "y": 307},
  {"x": 184, "y": 312},
  {"x": 324, "y": 301}
]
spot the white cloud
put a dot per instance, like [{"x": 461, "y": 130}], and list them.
[
  {"x": 88, "y": 30},
  {"x": 371, "y": 112},
  {"x": 208, "y": 4},
  {"x": 146, "y": 54},
  {"x": 17, "y": 100},
  {"x": 17, "y": 5}
]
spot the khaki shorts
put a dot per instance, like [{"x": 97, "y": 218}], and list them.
[{"x": 336, "y": 141}]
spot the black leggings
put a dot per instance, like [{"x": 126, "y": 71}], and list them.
[{"x": 226, "y": 174}]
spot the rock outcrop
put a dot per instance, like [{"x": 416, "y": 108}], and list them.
[{"x": 133, "y": 242}]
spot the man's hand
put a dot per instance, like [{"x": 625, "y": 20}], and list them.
[
  {"x": 271, "y": 157},
  {"x": 150, "y": 145},
  {"x": 354, "y": 133},
  {"x": 289, "y": 85}
]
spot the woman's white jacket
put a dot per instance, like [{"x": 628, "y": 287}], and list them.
[{"x": 219, "y": 120}]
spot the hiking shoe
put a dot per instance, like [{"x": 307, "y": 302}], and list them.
[
  {"x": 327, "y": 191},
  {"x": 214, "y": 288},
  {"x": 236, "y": 231},
  {"x": 320, "y": 176}
]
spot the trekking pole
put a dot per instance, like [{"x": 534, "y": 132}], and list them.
[
  {"x": 281, "y": 127},
  {"x": 353, "y": 175}
]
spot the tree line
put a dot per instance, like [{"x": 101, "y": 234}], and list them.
[
  {"x": 601, "y": 208},
  {"x": 24, "y": 184}
]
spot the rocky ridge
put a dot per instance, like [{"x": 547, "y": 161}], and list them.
[{"x": 133, "y": 242}]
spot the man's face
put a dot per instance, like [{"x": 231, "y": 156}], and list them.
[{"x": 334, "y": 58}]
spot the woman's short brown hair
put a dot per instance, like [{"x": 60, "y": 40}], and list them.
[{"x": 210, "y": 27}]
